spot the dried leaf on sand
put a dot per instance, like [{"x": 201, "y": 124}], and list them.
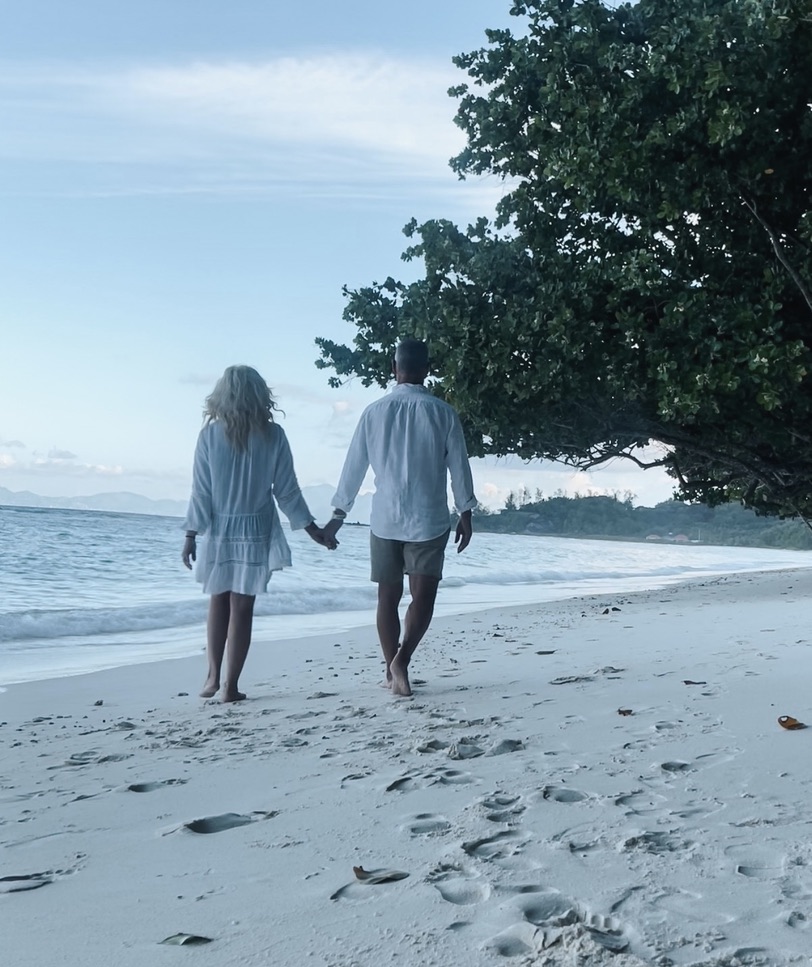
[
  {"x": 184, "y": 939},
  {"x": 373, "y": 877}
]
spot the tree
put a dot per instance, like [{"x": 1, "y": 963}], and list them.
[{"x": 649, "y": 273}]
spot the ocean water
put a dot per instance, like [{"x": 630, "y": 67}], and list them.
[{"x": 86, "y": 590}]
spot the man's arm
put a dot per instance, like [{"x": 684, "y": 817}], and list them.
[
  {"x": 462, "y": 483},
  {"x": 464, "y": 532},
  {"x": 356, "y": 464}
]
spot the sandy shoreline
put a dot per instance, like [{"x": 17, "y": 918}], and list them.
[{"x": 537, "y": 825}]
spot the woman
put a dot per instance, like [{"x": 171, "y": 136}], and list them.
[{"x": 243, "y": 467}]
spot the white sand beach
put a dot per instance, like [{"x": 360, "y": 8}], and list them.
[{"x": 536, "y": 824}]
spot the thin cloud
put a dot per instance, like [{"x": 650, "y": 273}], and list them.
[
  {"x": 56, "y": 454},
  {"x": 50, "y": 465},
  {"x": 12, "y": 444},
  {"x": 326, "y": 125}
]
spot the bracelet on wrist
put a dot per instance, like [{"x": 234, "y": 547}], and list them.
[{"x": 339, "y": 515}]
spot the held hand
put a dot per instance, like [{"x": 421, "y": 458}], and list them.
[
  {"x": 464, "y": 531},
  {"x": 189, "y": 552},
  {"x": 321, "y": 536},
  {"x": 331, "y": 529}
]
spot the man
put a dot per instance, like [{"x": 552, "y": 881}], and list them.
[{"x": 412, "y": 440}]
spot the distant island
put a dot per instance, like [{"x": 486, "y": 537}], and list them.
[
  {"x": 123, "y": 502},
  {"x": 617, "y": 518},
  {"x": 602, "y": 517}
]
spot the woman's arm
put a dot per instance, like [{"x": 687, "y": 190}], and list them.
[
  {"x": 285, "y": 486},
  {"x": 198, "y": 514}
]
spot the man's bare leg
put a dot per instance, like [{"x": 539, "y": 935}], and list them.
[
  {"x": 216, "y": 634},
  {"x": 388, "y": 621},
  {"x": 239, "y": 641},
  {"x": 418, "y": 618}
]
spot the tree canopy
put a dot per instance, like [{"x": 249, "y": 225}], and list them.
[{"x": 648, "y": 276}]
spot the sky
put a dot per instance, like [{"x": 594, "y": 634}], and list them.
[{"x": 188, "y": 184}]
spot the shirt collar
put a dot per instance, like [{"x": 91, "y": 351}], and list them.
[{"x": 409, "y": 388}]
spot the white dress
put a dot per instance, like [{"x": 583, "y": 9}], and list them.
[{"x": 233, "y": 508}]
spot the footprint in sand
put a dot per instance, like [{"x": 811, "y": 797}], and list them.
[
  {"x": 435, "y": 745},
  {"x": 456, "y": 885},
  {"x": 717, "y": 758},
  {"x": 439, "y": 777},
  {"x": 426, "y": 824},
  {"x": 28, "y": 881},
  {"x": 501, "y": 808},
  {"x": 675, "y": 766},
  {"x": 691, "y": 907},
  {"x": 499, "y": 846},
  {"x": 23, "y": 796},
  {"x": 521, "y": 889},
  {"x": 452, "y": 777},
  {"x": 293, "y": 742},
  {"x": 654, "y": 842},
  {"x": 516, "y": 941},
  {"x": 505, "y": 746},
  {"x": 554, "y": 912},
  {"x": 300, "y": 716},
  {"x": 639, "y": 803},
  {"x": 465, "y": 749},
  {"x": 31, "y": 881},
  {"x": 796, "y": 890},
  {"x": 755, "y": 863},
  {"x": 91, "y": 757},
  {"x": 218, "y": 824},
  {"x": 551, "y": 909},
  {"x": 704, "y": 808},
  {"x": 463, "y": 892},
  {"x": 563, "y": 794}
]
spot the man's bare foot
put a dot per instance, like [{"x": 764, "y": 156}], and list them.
[
  {"x": 232, "y": 696},
  {"x": 400, "y": 678},
  {"x": 210, "y": 688}
]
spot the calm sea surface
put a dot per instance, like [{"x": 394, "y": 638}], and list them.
[{"x": 85, "y": 590}]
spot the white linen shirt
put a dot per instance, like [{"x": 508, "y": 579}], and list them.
[{"x": 412, "y": 440}]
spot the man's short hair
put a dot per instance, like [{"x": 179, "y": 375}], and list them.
[{"x": 412, "y": 356}]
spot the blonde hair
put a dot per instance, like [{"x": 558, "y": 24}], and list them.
[{"x": 242, "y": 401}]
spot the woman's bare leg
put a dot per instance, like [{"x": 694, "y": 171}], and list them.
[
  {"x": 241, "y": 620},
  {"x": 216, "y": 633}
]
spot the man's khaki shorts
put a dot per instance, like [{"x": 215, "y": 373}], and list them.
[{"x": 390, "y": 560}]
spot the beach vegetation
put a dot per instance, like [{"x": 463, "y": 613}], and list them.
[
  {"x": 645, "y": 288},
  {"x": 615, "y": 516}
]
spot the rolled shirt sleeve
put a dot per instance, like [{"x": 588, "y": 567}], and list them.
[{"x": 459, "y": 468}]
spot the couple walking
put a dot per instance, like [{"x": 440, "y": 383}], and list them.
[{"x": 243, "y": 468}]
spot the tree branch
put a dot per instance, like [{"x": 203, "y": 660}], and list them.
[{"x": 779, "y": 251}]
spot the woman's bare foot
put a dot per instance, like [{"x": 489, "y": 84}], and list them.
[
  {"x": 210, "y": 688},
  {"x": 232, "y": 696},
  {"x": 400, "y": 678}
]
